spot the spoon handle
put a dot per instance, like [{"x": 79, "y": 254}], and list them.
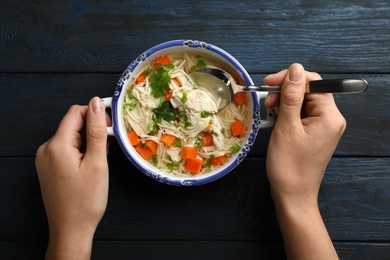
[{"x": 339, "y": 86}]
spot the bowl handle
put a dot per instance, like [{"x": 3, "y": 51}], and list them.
[
  {"x": 269, "y": 121},
  {"x": 108, "y": 104}
]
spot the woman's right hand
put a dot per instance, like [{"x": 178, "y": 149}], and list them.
[{"x": 306, "y": 133}]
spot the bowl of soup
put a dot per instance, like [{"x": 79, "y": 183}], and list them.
[{"x": 170, "y": 128}]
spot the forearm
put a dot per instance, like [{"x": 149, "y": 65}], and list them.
[{"x": 303, "y": 230}]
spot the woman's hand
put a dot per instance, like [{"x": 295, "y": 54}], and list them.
[
  {"x": 306, "y": 133},
  {"x": 74, "y": 183}
]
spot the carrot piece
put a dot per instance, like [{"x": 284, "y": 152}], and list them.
[
  {"x": 188, "y": 152},
  {"x": 194, "y": 165},
  {"x": 152, "y": 145},
  {"x": 218, "y": 160},
  {"x": 168, "y": 140},
  {"x": 177, "y": 82},
  {"x": 206, "y": 138},
  {"x": 237, "y": 128},
  {"x": 144, "y": 151},
  {"x": 133, "y": 138},
  {"x": 240, "y": 98},
  {"x": 168, "y": 95},
  {"x": 140, "y": 78},
  {"x": 163, "y": 60}
]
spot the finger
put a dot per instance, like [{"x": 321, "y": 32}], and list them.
[
  {"x": 318, "y": 103},
  {"x": 272, "y": 100},
  {"x": 277, "y": 79},
  {"x": 96, "y": 131},
  {"x": 292, "y": 94},
  {"x": 312, "y": 76},
  {"x": 110, "y": 138},
  {"x": 71, "y": 126}
]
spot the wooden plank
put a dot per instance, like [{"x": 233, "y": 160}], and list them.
[
  {"x": 353, "y": 201},
  {"x": 103, "y": 249},
  {"x": 363, "y": 250},
  {"x": 90, "y": 36},
  {"x": 35, "y": 103},
  {"x": 224, "y": 250}
]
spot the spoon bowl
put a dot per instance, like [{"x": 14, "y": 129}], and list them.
[{"x": 222, "y": 87}]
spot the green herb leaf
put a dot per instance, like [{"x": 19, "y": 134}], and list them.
[
  {"x": 152, "y": 127},
  {"x": 164, "y": 111},
  {"x": 187, "y": 124},
  {"x": 159, "y": 82},
  {"x": 178, "y": 143},
  {"x": 183, "y": 114},
  {"x": 130, "y": 106},
  {"x": 148, "y": 71},
  {"x": 199, "y": 65},
  {"x": 184, "y": 98},
  {"x": 198, "y": 142},
  {"x": 235, "y": 148},
  {"x": 207, "y": 163},
  {"x": 170, "y": 66},
  {"x": 155, "y": 161},
  {"x": 205, "y": 114},
  {"x": 172, "y": 165}
]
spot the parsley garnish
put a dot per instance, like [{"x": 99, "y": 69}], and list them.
[
  {"x": 159, "y": 82},
  {"x": 235, "y": 148},
  {"x": 183, "y": 114},
  {"x": 198, "y": 142},
  {"x": 205, "y": 114},
  {"x": 199, "y": 65},
  {"x": 184, "y": 98},
  {"x": 172, "y": 165},
  {"x": 207, "y": 163},
  {"x": 155, "y": 161},
  {"x": 130, "y": 106},
  {"x": 178, "y": 143},
  {"x": 164, "y": 111},
  {"x": 148, "y": 71},
  {"x": 130, "y": 96},
  {"x": 168, "y": 66},
  {"x": 152, "y": 127}
]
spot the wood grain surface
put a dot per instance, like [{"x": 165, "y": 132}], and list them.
[{"x": 57, "y": 53}]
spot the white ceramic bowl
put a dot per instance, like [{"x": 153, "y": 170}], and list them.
[{"x": 226, "y": 62}]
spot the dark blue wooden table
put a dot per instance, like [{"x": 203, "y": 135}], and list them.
[{"x": 57, "y": 53}]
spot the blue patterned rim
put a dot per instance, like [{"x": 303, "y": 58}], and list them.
[{"x": 154, "y": 173}]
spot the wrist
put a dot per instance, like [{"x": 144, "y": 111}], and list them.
[
  {"x": 303, "y": 230},
  {"x": 295, "y": 203},
  {"x": 72, "y": 242}
]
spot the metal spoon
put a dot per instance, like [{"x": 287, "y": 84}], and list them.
[{"x": 221, "y": 85}]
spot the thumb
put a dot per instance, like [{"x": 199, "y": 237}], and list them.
[
  {"x": 96, "y": 131},
  {"x": 292, "y": 94}
]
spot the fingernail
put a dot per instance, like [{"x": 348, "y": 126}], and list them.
[
  {"x": 268, "y": 98},
  {"x": 96, "y": 107},
  {"x": 296, "y": 73}
]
